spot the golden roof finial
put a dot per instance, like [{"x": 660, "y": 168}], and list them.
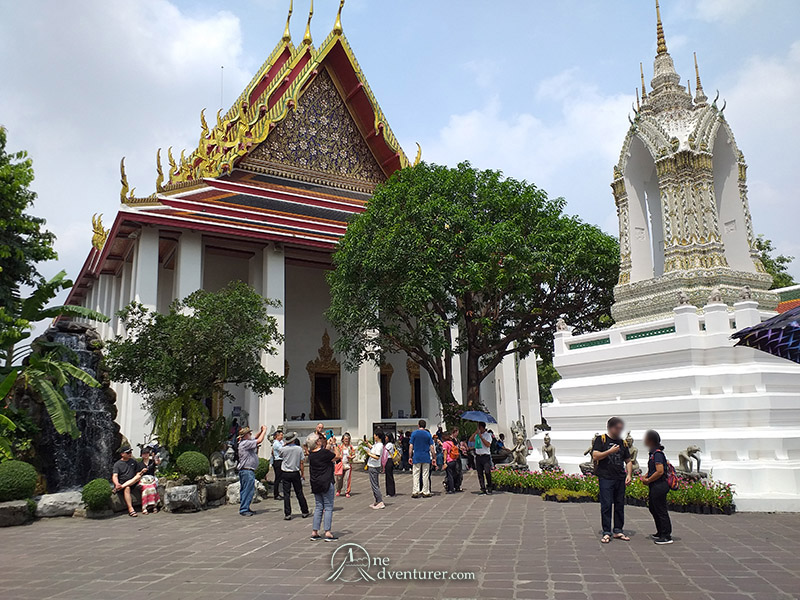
[
  {"x": 123, "y": 179},
  {"x": 662, "y": 43},
  {"x": 203, "y": 124},
  {"x": 418, "y": 158},
  {"x": 700, "y": 95},
  {"x": 337, "y": 27},
  {"x": 159, "y": 172},
  {"x": 644, "y": 88},
  {"x": 307, "y": 36},
  {"x": 99, "y": 233},
  {"x": 287, "y": 35}
]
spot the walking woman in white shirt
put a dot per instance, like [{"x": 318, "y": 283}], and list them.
[
  {"x": 374, "y": 469},
  {"x": 344, "y": 472}
]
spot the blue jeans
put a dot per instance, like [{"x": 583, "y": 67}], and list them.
[
  {"x": 612, "y": 493},
  {"x": 247, "y": 488},
  {"x": 323, "y": 506}
]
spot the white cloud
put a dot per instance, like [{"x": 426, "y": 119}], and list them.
[
  {"x": 84, "y": 87},
  {"x": 726, "y": 11},
  {"x": 761, "y": 108},
  {"x": 571, "y": 154}
]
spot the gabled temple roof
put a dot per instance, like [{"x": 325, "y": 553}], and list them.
[{"x": 269, "y": 99}]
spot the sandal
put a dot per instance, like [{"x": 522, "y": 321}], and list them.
[
  {"x": 605, "y": 539},
  {"x": 133, "y": 514},
  {"x": 622, "y": 536}
]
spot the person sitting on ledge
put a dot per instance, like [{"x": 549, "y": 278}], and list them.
[{"x": 126, "y": 476}]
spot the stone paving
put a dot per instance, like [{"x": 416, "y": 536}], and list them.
[{"x": 517, "y": 546}]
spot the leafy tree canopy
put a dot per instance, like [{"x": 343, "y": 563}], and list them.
[
  {"x": 181, "y": 360},
  {"x": 439, "y": 248},
  {"x": 777, "y": 266},
  {"x": 23, "y": 242}
]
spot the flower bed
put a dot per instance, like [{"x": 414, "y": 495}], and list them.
[{"x": 706, "y": 496}]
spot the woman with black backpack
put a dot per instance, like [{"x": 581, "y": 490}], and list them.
[{"x": 656, "y": 479}]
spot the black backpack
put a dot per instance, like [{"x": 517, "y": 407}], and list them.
[{"x": 235, "y": 447}]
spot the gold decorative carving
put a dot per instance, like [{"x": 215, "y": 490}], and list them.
[
  {"x": 159, "y": 172},
  {"x": 325, "y": 364},
  {"x": 318, "y": 140},
  {"x": 99, "y": 234}
]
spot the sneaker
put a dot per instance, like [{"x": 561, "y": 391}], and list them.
[
  {"x": 347, "y": 495},
  {"x": 315, "y": 538},
  {"x": 483, "y": 492},
  {"x": 287, "y": 518},
  {"x": 415, "y": 495},
  {"x": 654, "y": 536},
  {"x": 663, "y": 541},
  {"x": 306, "y": 515},
  {"x": 247, "y": 514},
  {"x": 338, "y": 494},
  {"x": 379, "y": 505}
]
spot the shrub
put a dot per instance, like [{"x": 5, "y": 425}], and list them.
[
  {"x": 562, "y": 495},
  {"x": 97, "y": 494},
  {"x": 193, "y": 464},
  {"x": 262, "y": 470},
  {"x": 17, "y": 480}
]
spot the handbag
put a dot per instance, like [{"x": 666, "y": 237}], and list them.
[{"x": 338, "y": 468}]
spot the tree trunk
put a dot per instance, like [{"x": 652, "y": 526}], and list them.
[
  {"x": 217, "y": 405},
  {"x": 473, "y": 401}
]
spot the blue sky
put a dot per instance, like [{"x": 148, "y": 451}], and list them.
[{"x": 538, "y": 89}]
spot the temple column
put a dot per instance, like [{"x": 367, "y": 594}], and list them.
[
  {"x": 188, "y": 265},
  {"x": 125, "y": 293},
  {"x": 529, "y": 401},
  {"x": 146, "y": 268},
  {"x": 506, "y": 392},
  {"x": 273, "y": 286},
  {"x": 458, "y": 382},
  {"x": 369, "y": 394}
]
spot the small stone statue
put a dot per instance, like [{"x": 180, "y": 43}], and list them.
[
  {"x": 561, "y": 325},
  {"x": 519, "y": 452},
  {"x": 634, "y": 452},
  {"x": 230, "y": 463},
  {"x": 549, "y": 462},
  {"x": 685, "y": 459},
  {"x": 683, "y": 298},
  {"x": 715, "y": 297},
  {"x": 587, "y": 468},
  {"x": 217, "y": 461},
  {"x": 746, "y": 293}
]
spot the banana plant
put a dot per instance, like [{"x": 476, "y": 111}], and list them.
[{"x": 44, "y": 367}]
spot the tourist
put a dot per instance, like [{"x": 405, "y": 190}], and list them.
[
  {"x": 321, "y": 457},
  {"x": 374, "y": 468},
  {"x": 292, "y": 475},
  {"x": 481, "y": 440},
  {"x": 248, "y": 463},
  {"x": 501, "y": 441},
  {"x": 405, "y": 441},
  {"x": 277, "y": 444},
  {"x": 149, "y": 483},
  {"x": 343, "y": 469},
  {"x": 656, "y": 479},
  {"x": 452, "y": 457},
  {"x": 459, "y": 468},
  {"x": 388, "y": 468},
  {"x": 320, "y": 429},
  {"x": 126, "y": 476},
  {"x": 438, "y": 443},
  {"x": 613, "y": 469},
  {"x": 422, "y": 451}
]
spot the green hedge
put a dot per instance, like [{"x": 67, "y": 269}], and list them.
[
  {"x": 97, "y": 494},
  {"x": 193, "y": 464},
  {"x": 262, "y": 470},
  {"x": 17, "y": 480}
]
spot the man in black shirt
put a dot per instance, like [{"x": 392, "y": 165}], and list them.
[
  {"x": 126, "y": 475},
  {"x": 614, "y": 471}
]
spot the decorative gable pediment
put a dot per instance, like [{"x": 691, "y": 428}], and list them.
[{"x": 319, "y": 142}]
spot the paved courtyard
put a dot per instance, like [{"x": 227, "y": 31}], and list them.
[{"x": 517, "y": 547}]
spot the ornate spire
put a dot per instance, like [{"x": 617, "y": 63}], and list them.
[
  {"x": 123, "y": 179},
  {"x": 287, "y": 35},
  {"x": 662, "y": 43},
  {"x": 700, "y": 96},
  {"x": 307, "y": 36},
  {"x": 159, "y": 172},
  {"x": 337, "y": 27},
  {"x": 638, "y": 106},
  {"x": 644, "y": 87}
]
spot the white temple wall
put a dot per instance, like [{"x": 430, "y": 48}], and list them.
[
  {"x": 219, "y": 270},
  {"x": 729, "y": 203}
]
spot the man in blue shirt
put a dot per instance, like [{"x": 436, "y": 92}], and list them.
[{"x": 421, "y": 449}]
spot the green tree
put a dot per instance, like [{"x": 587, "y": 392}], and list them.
[
  {"x": 439, "y": 248},
  {"x": 777, "y": 266},
  {"x": 24, "y": 242},
  {"x": 45, "y": 367},
  {"x": 181, "y": 361},
  {"x": 548, "y": 375}
]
